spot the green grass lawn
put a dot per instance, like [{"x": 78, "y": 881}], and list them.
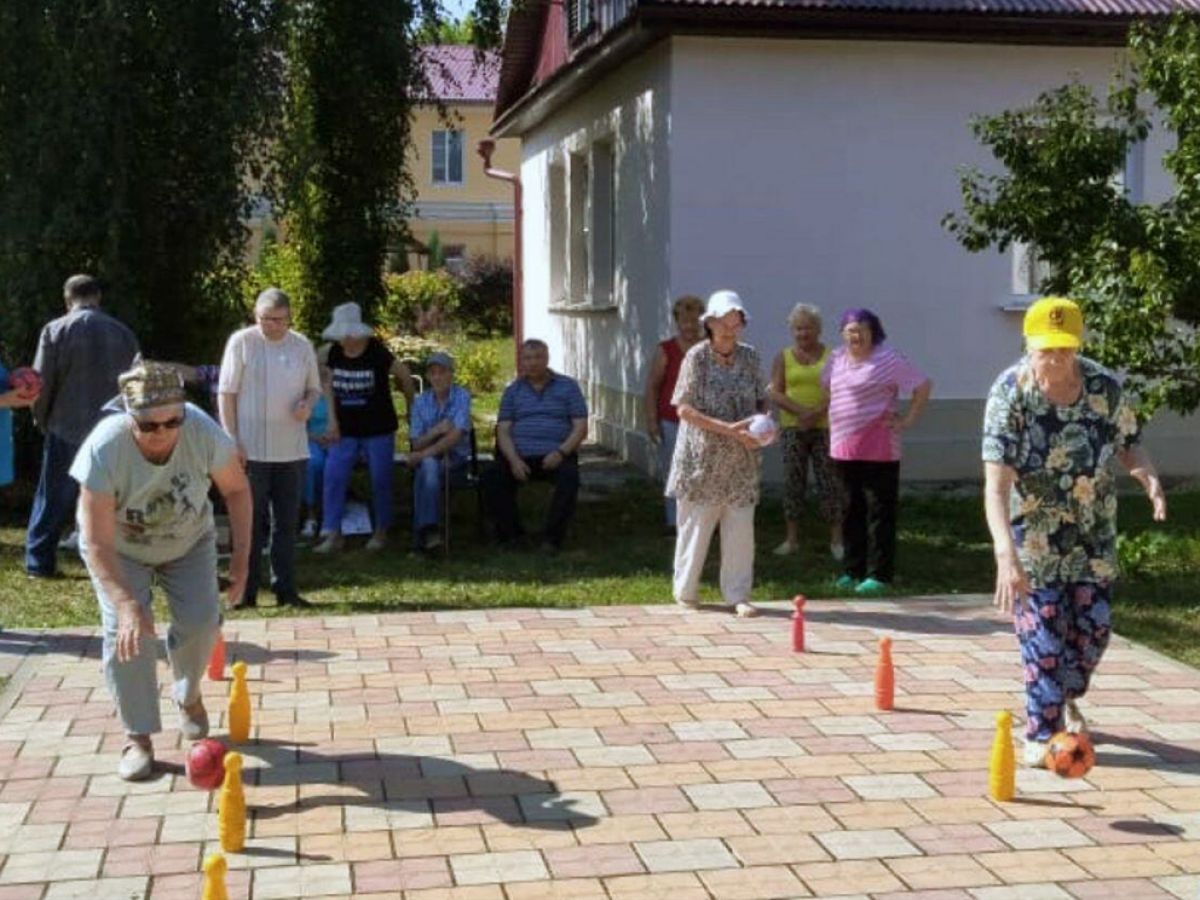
[{"x": 617, "y": 554}]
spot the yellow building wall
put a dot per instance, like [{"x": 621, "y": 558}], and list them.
[{"x": 484, "y": 234}]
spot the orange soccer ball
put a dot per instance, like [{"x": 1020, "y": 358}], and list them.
[{"x": 1070, "y": 755}]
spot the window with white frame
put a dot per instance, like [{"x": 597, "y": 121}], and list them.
[
  {"x": 556, "y": 197},
  {"x": 447, "y": 157},
  {"x": 579, "y": 228},
  {"x": 602, "y": 210}
]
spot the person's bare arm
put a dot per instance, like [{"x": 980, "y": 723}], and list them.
[
  {"x": 736, "y": 430},
  {"x": 231, "y": 482},
  {"x": 404, "y": 382},
  {"x": 227, "y": 405},
  {"x": 1011, "y": 581},
  {"x": 654, "y": 380},
  {"x": 98, "y": 523},
  {"x": 554, "y": 458},
  {"x": 1138, "y": 464},
  {"x": 504, "y": 443},
  {"x": 435, "y": 442}
]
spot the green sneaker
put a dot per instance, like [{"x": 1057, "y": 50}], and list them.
[
  {"x": 870, "y": 587},
  {"x": 844, "y": 582}
]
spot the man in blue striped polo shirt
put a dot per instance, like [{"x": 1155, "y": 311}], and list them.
[{"x": 542, "y": 422}]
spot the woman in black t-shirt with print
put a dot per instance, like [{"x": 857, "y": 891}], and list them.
[{"x": 357, "y": 370}]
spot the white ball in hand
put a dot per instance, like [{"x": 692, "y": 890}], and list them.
[{"x": 762, "y": 427}]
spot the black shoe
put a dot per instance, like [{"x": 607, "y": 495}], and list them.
[
  {"x": 244, "y": 603},
  {"x": 293, "y": 600},
  {"x": 40, "y": 575}
]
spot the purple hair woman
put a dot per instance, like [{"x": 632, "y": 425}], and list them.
[{"x": 863, "y": 380}]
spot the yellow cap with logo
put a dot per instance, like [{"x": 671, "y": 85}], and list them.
[{"x": 1053, "y": 323}]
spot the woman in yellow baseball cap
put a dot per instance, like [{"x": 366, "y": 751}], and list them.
[{"x": 1055, "y": 423}]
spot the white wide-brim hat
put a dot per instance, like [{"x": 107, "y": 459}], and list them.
[
  {"x": 721, "y": 302},
  {"x": 347, "y": 323}
]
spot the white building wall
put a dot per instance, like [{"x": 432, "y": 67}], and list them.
[
  {"x": 602, "y": 344},
  {"x": 826, "y": 174},
  {"x": 794, "y": 170}
]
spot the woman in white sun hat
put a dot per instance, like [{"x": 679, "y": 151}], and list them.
[
  {"x": 358, "y": 368},
  {"x": 717, "y": 466}
]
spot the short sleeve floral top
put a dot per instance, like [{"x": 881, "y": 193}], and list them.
[
  {"x": 708, "y": 468},
  {"x": 1064, "y": 504}
]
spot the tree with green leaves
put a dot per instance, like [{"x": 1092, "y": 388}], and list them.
[
  {"x": 131, "y": 135},
  {"x": 1134, "y": 266},
  {"x": 356, "y": 76}
]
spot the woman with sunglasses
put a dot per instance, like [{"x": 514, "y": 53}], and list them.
[{"x": 145, "y": 517}]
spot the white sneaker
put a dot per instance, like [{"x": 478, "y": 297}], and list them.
[
  {"x": 310, "y": 529},
  {"x": 137, "y": 761},
  {"x": 746, "y": 610},
  {"x": 1073, "y": 720},
  {"x": 70, "y": 542},
  {"x": 377, "y": 542},
  {"x": 837, "y": 551},
  {"x": 1034, "y": 756},
  {"x": 787, "y": 548}
]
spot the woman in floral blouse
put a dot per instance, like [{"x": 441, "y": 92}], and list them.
[
  {"x": 1054, "y": 424},
  {"x": 717, "y": 465}
]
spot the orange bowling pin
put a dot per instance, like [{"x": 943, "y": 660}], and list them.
[
  {"x": 216, "y": 662},
  {"x": 885, "y": 677}
]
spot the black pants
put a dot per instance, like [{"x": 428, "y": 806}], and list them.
[
  {"x": 869, "y": 528},
  {"x": 276, "y": 488},
  {"x": 500, "y": 488}
]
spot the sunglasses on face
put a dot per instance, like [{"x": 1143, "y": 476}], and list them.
[{"x": 148, "y": 427}]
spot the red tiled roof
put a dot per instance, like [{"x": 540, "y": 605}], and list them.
[
  {"x": 460, "y": 74},
  {"x": 981, "y": 7}
]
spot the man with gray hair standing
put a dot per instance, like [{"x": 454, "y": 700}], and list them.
[
  {"x": 79, "y": 356},
  {"x": 269, "y": 384}
]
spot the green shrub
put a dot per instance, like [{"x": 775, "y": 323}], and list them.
[
  {"x": 1138, "y": 554},
  {"x": 477, "y": 367},
  {"x": 278, "y": 265},
  {"x": 421, "y": 302},
  {"x": 487, "y": 288}
]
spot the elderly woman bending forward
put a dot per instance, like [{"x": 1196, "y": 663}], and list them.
[
  {"x": 145, "y": 517},
  {"x": 717, "y": 466}
]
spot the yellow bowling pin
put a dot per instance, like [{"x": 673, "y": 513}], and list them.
[
  {"x": 1002, "y": 772},
  {"x": 214, "y": 878},
  {"x": 231, "y": 814},
  {"x": 239, "y": 705}
]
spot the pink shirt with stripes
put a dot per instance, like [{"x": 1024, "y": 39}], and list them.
[{"x": 861, "y": 396}]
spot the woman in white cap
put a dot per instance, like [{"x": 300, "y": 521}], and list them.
[
  {"x": 358, "y": 368},
  {"x": 717, "y": 467}
]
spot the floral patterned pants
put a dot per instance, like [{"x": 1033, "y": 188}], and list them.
[
  {"x": 1063, "y": 630},
  {"x": 802, "y": 448}
]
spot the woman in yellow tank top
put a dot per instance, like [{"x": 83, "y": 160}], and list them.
[{"x": 796, "y": 391}]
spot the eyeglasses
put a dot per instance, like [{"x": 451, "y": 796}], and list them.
[{"x": 149, "y": 427}]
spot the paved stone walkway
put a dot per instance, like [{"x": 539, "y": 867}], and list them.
[{"x": 614, "y": 752}]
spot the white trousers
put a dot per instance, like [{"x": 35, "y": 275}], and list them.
[{"x": 695, "y": 530}]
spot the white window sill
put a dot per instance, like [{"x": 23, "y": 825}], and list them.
[{"x": 568, "y": 309}]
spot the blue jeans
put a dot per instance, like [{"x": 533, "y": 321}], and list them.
[
  {"x": 190, "y": 583},
  {"x": 314, "y": 476},
  {"x": 380, "y": 451},
  {"x": 276, "y": 488},
  {"x": 427, "y": 492},
  {"x": 666, "y": 452},
  {"x": 53, "y": 506}
]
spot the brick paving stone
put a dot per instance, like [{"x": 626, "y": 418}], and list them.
[
  {"x": 1029, "y": 866},
  {"x": 760, "y": 883},
  {"x": 1038, "y": 834},
  {"x": 728, "y": 795},
  {"x": 661, "y": 886},
  {"x": 866, "y": 844},
  {"x": 132, "y": 888},
  {"x": 713, "y": 823},
  {"x": 1122, "y": 861},
  {"x": 595, "y": 861},
  {"x": 685, "y": 856},
  {"x": 937, "y": 872},
  {"x": 498, "y": 868},
  {"x": 847, "y": 877},
  {"x": 1117, "y": 889},
  {"x": 564, "y": 889}
]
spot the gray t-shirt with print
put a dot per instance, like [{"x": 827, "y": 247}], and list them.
[{"x": 162, "y": 509}]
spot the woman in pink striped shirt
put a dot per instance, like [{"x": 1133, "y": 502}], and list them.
[{"x": 863, "y": 380}]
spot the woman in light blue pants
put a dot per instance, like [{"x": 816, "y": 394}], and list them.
[{"x": 145, "y": 518}]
